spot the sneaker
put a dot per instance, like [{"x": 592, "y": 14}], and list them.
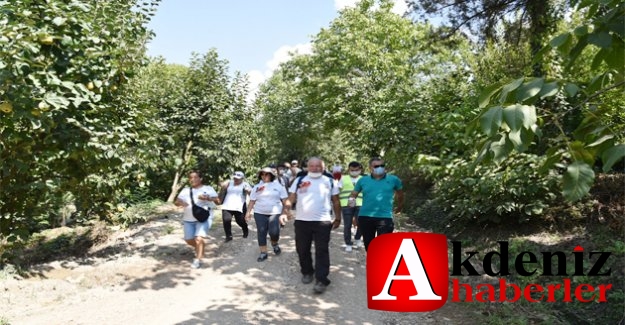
[
  {"x": 358, "y": 243},
  {"x": 348, "y": 248},
  {"x": 277, "y": 250},
  {"x": 319, "y": 287},
  {"x": 262, "y": 257},
  {"x": 196, "y": 264},
  {"x": 229, "y": 238},
  {"x": 307, "y": 278}
]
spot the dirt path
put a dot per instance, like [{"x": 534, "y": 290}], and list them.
[{"x": 143, "y": 276}]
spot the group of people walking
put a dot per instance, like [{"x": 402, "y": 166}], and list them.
[{"x": 321, "y": 202}]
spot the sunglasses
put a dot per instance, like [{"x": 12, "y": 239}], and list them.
[{"x": 381, "y": 165}]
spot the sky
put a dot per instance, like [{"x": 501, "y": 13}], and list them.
[{"x": 253, "y": 36}]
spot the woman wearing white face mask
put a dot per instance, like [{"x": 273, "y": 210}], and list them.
[{"x": 379, "y": 190}]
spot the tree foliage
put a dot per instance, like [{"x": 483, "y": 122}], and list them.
[
  {"x": 201, "y": 120},
  {"x": 365, "y": 77},
  {"x": 512, "y": 116},
  {"x": 63, "y": 129}
]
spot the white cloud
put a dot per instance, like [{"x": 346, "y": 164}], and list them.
[
  {"x": 399, "y": 8},
  {"x": 281, "y": 55},
  {"x": 284, "y": 53}
]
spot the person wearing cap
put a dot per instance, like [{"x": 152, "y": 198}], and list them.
[
  {"x": 270, "y": 206},
  {"x": 233, "y": 196},
  {"x": 294, "y": 170}
]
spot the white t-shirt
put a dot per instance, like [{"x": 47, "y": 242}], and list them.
[
  {"x": 187, "y": 215},
  {"x": 234, "y": 197},
  {"x": 268, "y": 197},
  {"x": 314, "y": 198}
]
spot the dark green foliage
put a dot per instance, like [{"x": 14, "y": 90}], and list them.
[
  {"x": 64, "y": 128},
  {"x": 513, "y": 191}
]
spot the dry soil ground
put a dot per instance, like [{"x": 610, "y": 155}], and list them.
[{"x": 143, "y": 276}]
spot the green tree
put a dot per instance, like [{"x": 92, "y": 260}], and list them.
[
  {"x": 63, "y": 127},
  {"x": 516, "y": 21},
  {"x": 366, "y": 76},
  {"x": 200, "y": 120},
  {"x": 511, "y": 119}
]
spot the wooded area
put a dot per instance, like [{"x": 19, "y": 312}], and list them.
[{"x": 508, "y": 111}]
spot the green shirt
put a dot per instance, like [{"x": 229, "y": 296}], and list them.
[{"x": 377, "y": 195}]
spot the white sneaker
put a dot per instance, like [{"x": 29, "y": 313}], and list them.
[
  {"x": 196, "y": 263},
  {"x": 358, "y": 243},
  {"x": 348, "y": 248}
]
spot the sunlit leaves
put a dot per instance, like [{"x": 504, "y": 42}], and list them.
[
  {"x": 62, "y": 63},
  {"x": 592, "y": 138},
  {"x": 530, "y": 89},
  {"x": 491, "y": 120}
]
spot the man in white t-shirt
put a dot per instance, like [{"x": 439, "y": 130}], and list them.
[{"x": 317, "y": 196}]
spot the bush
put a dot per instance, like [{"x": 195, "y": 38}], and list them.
[
  {"x": 128, "y": 215},
  {"x": 512, "y": 190}
]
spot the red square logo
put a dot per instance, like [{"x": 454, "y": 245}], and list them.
[{"x": 407, "y": 272}]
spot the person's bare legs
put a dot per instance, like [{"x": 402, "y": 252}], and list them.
[
  {"x": 199, "y": 247},
  {"x": 191, "y": 242}
]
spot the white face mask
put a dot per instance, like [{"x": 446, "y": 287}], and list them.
[
  {"x": 314, "y": 175},
  {"x": 354, "y": 173}
]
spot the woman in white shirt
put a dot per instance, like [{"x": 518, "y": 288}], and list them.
[
  {"x": 269, "y": 203},
  {"x": 234, "y": 196},
  {"x": 195, "y": 232}
]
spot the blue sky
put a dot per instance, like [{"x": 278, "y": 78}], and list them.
[{"x": 254, "y": 36}]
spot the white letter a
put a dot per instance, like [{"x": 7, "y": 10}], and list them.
[{"x": 416, "y": 271}]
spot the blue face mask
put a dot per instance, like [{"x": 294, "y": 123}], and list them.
[{"x": 378, "y": 170}]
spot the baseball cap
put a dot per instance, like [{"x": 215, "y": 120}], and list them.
[
  {"x": 293, "y": 162},
  {"x": 238, "y": 175}
]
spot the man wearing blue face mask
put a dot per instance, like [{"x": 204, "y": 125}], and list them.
[{"x": 379, "y": 191}]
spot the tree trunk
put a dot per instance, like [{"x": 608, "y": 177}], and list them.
[
  {"x": 542, "y": 22},
  {"x": 175, "y": 186}
]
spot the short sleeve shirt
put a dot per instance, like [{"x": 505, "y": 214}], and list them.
[
  {"x": 377, "y": 195},
  {"x": 268, "y": 197},
  {"x": 314, "y": 198},
  {"x": 184, "y": 195},
  {"x": 235, "y": 196}
]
